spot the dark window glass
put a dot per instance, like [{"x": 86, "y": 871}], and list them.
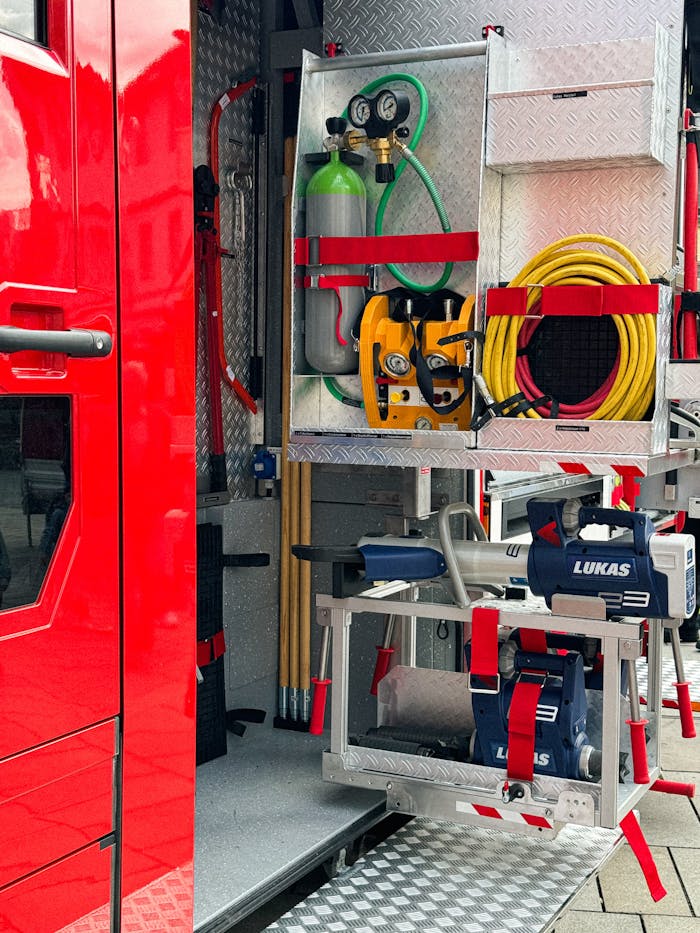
[
  {"x": 25, "y": 18},
  {"x": 35, "y": 491}
]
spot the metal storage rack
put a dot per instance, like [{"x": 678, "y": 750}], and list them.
[{"x": 449, "y": 790}]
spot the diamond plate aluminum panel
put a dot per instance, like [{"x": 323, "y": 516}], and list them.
[
  {"x": 223, "y": 53},
  {"x": 351, "y": 451},
  {"x": 434, "y": 877},
  {"x": 479, "y": 778},
  {"x": 683, "y": 380},
  {"x": 634, "y": 205},
  {"x": 453, "y": 85},
  {"x": 594, "y": 437},
  {"x": 416, "y": 23},
  {"x": 570, "y": 67},
  {"x": 540, "y": 133},
  {"x": 609, "y": 107}
]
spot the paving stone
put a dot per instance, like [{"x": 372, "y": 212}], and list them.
[
  {"x": 669, "y": 820},
  {"x": 677, "y": 753},
  {"x": 688, "y": 867},
  {"x": 588, "y": 898},
  {"x": 584, "y": 921},
  {"x": 625, "y": 891},
  {"x": 671, "y": 924}
]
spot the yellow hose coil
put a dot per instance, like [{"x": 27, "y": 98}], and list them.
[{"x": 633, "y": 387}]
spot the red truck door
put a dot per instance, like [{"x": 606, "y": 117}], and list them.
[{"x": 59, "y": 493}]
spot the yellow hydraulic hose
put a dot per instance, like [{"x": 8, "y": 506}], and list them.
[{"x": 632, "y": 389}]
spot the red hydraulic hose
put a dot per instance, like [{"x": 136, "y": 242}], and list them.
[
  {"x": 227, "y": 373},
  {"x": 690, "y": 237},
  {"x": 582, "y": 409}
]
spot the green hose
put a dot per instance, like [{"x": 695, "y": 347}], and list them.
[
  {"x": 422, "y": 174},
  {"x": 338, "y": 393}
]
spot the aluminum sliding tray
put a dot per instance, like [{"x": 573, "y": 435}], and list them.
[
  {"x": 433, "y": 877},
  {"x": 475, "y": 794}
]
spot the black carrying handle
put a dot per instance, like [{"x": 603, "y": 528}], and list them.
[{"x": 79, "y": 343}]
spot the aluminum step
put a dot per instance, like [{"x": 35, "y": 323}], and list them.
[{"x": 430, "y": 877}]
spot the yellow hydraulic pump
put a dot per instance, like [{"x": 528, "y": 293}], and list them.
[{"x": 415, "y": 360}]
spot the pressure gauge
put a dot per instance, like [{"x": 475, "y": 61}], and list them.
[
  {"x": 391, "y": 108},
  {"x": 387, "y": 106},
  {"x": 359, "y": 110},
  {"x": 396, "y": 364},
  {"x": 436, "y": 360}
]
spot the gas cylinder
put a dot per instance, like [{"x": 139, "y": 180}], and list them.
[{"x": 336, "y": 206}]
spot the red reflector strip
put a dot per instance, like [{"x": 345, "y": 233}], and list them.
[
  {"x": 532, "y": 820},
  {"x": 574, "y": 468},
  {"x": 623, "y": 470},
  {"x": 362, "y": 250},
  {"x": 487, "y": 811}
]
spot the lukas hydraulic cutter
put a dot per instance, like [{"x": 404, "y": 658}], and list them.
[{"x": 533, "y": 736}]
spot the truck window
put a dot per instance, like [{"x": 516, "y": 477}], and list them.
[
  {"x": 26, "y": 18},
  {"x": 35, "y": 491}
]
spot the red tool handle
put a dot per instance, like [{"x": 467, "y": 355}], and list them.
[
  {"x": 639, "y": 751},
  {"x": 381, "y": 668},
  {"x": 686, "y": 710},
  {"x": 318, "y": 705},
  {"x": 674, "y": 787}
]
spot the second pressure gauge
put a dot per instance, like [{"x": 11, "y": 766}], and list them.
[{"x": 359, "y": 111}]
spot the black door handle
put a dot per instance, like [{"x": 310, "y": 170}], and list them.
[{"x": 76, "y": 342}]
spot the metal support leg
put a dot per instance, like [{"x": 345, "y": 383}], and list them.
[
  {"x": 341, "y": 620},
  {"x": 611, "y": 733}
]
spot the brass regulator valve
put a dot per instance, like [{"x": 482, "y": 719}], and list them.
[{"x": 377, "y": 121}]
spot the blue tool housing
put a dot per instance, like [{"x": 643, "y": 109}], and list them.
[{"x": 621, "y": 572}]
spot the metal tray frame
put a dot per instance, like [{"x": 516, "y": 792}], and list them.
[{"x": 448, "y": 790}]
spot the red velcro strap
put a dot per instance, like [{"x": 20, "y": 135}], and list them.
[
  {"x": 575, "y": 300},
  {"x": 521, "y": 730},
  {"x": 363, "y": 250},
  {"x": 634, "y": 835},
  {"x": 533, "y": 641},
  {"x": 337, "y": 281},
  {"x": 484, "y": 660},
  {"x": 211, "y": 649}
]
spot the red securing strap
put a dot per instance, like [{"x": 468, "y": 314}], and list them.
[
  {"x": 521, "y": 730},
  {"x": 634, "y": 835},
  {"x": 211, "y": 649},
  {"x": 365, "y": 250},
  {"x": 534, "y": 641},
  {"x": 484, "y": 660}
]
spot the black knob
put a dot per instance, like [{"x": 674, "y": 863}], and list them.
[
  {"x": 336, "y": 125},
  {"x": 402, "y": 132},
  {"x": 384, "y": 172}
]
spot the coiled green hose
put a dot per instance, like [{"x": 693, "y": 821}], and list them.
[{"x": 422, "y": 172}]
